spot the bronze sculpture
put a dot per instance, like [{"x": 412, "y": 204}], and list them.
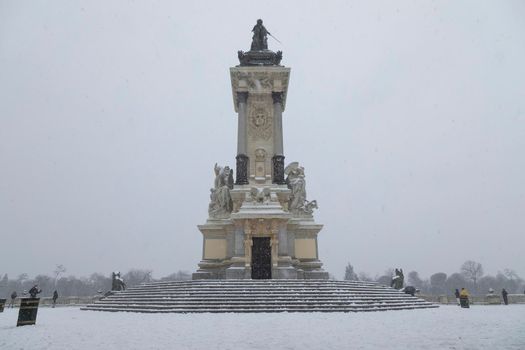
[{"x": 260, "y": 38}]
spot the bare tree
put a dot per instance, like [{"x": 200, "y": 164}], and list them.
[
  {"x": 60, "y": 269},
  {"x": 511, "y": 274},
  {"x": 473, "y": 271}
]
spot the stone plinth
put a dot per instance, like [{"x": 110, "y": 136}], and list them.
[{"x": 493, "y": 299}]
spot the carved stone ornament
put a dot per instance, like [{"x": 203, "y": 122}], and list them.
[
  {"x": 242, "y": 96},
  {"x": 259, "y": 80},
  {"x": 260, "y": 196},
  {"x": 260, "y": 154},
  {"x": 260, "y": 58},
  {"x": 260, "y": 124},
  {"x": 277, "y": 97}
]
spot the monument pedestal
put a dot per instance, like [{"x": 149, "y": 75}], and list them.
[{"x": 261, "y": 226}]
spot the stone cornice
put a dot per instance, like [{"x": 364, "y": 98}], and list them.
[{"x": 259, "y": 80}]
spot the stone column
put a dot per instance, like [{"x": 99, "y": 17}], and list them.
[
  {"x": 278, "y": 123},
  {"x": 242, "y": 145},
  {"x": 278, "y": 158},
  {"x": 274, "y": 242},
  {"x": 248, "y": 243}
]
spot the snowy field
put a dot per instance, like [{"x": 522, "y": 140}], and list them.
[{"x": 449, "y": 327}]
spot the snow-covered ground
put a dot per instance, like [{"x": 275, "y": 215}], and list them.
[{"x": 448, "y": 327}]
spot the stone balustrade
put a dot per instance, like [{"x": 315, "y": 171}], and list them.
[
  {"x": 479, "y": 300},
  {"x": 61, "y": 301}
]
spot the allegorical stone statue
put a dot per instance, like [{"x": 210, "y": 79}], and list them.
[
  {"x": 297, "y": 184},
  {"x": 398, "y": 280},
  {"x": 260, "y": 37},
  {"x": 117, "y": 283},
  {"x": 221, "y": 204}
]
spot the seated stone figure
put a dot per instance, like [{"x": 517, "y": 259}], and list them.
[
  {"x": 221, "y": 204},
  {"x": 117, "y": 283}
]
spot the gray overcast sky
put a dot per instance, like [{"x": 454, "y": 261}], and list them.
[{"x": 408, "y": 116}]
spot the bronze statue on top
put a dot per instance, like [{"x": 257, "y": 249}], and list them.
[
  {"x": 259, "y": 39},
  {"x": 259, "y": 55}
]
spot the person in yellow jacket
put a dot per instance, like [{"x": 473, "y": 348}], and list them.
[{"x": 463, "y": 298}]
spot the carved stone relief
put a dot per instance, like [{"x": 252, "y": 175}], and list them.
[
  {"x": 260, "y": 123},
  {"x": 260, "y": 160},
  {"x": 260, "y": 196}
]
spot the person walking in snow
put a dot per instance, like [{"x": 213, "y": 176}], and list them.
[
  {"x": 456, "y": 293},
  {"x": 463, "y": 298},
  {"x": 504, "y": 294},
  {"x": 55, "y": 297},
  {"x": 34, "y": 291},
  {"x": 13, "y": 297}
]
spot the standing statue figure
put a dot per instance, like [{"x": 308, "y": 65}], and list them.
[
  {"x": 401, "y": 279},
  {"x": 221, "y": 204},
  {"x": 398, "y": 280},
  {"x": 296, "y": 182},
  {"x": 260, "y": 38},
  {"x": 395, "y": 277}
]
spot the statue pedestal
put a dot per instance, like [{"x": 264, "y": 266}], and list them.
[{"x": 262, "y": 225}]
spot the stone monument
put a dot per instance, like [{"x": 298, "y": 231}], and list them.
[{"x": 261, "y": 225}]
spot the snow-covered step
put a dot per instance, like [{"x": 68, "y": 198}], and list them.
[{"x": 258, "y": 296}]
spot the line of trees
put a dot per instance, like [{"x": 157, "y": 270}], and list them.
[
  {"x": 78, "y": 286},
  {"x": 470, "y": 276}
]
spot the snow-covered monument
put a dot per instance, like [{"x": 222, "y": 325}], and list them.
[
  {"x": 261, "y": 226},
  {"x": 260, "y": 240}
]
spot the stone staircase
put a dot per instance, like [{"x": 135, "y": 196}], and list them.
[{"x": 258, "y": 296}]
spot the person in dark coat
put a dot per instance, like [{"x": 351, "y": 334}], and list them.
[
  {"x": 13, "y": 297},
  {"x": 55, "y": 297},
  {"x": 457, "y": 295},
  {"x": 34, "y": 291},
  {"x": 504, "y": 294}
]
